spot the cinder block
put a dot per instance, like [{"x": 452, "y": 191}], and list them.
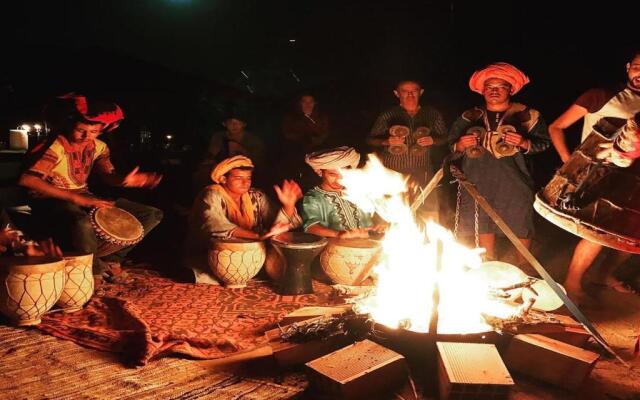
[
  {"x": 363, "y": 370},
  {"x": 472, "y": 371},
  {"x": 550, "y": 360}
]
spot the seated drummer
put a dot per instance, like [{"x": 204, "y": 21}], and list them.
[
  {"x": 325, "y": 211},
  {"x": 57, "y": 180},
  {"x": 231, "y": 208}
]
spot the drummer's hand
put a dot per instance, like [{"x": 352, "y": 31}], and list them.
[
  {"x": 288, "y": 193},
  {"x": 358, "y": 233},
  {"x": 141, "y": 179},
  {"x": 465, "y": 142},
  {"x": 8, "y": 239},
  {"x": 425, "y": 141},
  {"x": 608, "y": 154},
  {"x": 43, "y": 248},
  {"x": 90, "y": 202},
  {"x": 276, "y": 229}
]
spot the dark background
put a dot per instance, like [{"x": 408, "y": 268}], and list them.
[{"x": 176, "y": 66}]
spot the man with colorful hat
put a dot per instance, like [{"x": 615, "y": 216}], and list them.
[
  {"x": 57, "y": 178},
  {"x": 494, "y": 140}
]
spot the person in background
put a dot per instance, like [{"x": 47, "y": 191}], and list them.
[
  {"x": 234, "y": 140},
  {"x": 307, "y": 127},
  {"x": 417, "y": 160}
]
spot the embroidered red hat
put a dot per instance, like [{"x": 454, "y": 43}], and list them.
[{"x": 107, "y": 113}]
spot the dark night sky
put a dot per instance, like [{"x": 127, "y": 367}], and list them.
[{"x": 349, "y": 52}]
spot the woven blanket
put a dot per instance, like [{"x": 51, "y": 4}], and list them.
[{"x": 147, "y": 316}]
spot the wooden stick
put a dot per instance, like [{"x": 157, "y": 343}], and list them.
[
  {"x": 427, "y": 189},
  {"x": 575, "y": 311}
]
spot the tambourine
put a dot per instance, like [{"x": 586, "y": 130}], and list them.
[
  {"x": 499, "y": 146},
  {"x": 400, "y": 131},
  {"x": 477, "y": 150},
  {"x": 421, "y": 132}
]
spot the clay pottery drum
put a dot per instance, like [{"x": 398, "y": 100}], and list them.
[
  {"x": 349, "y": 261},
  {"x": 30, "y": 287},
  {"x": 595, "y": 200},
  {"x": 236, "y": 261},
  {"x": 78, "y": 288},
  {"x": 115, "y": 229},
  {"x": 297, "y": 249}
]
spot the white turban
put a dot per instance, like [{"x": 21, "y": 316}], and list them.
[{"x": 339, "y": 157}]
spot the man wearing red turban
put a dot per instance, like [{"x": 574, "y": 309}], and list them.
[
  {"x": 495, "y": 140},
  {"x": 58, "y": 178}
]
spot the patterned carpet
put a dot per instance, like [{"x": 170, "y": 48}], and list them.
[
  {"x": 144, "y": 316},
  {"x": 38, "y": 366}
]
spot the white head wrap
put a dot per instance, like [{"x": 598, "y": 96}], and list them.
[{"x": 339, "y": 157}]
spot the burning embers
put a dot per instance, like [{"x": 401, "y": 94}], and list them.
[{"x": 406, "y": 271}]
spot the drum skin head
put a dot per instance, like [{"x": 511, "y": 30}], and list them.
[{"x": 118, "y": 223}]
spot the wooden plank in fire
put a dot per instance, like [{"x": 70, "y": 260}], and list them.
[
  {"x": 363, "y": 370},
  {"x": 306, "y": 313},
  {"x": 288, "y": 353},
  {"x": 472, "y": 371},
  {"x": 555, "y": 326}
]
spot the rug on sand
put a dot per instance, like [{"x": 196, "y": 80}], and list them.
[{"x": 144, "y": 316}]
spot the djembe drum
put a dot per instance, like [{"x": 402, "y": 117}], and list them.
[
  {"x": 597, "y": 201},
  {"x": 349, "y": 261},
  {"x": 115, "y": 229},
  {"x": 30, "y": 287},
  {"x": 236, "y": 261},
  {"x": 79, "y": 285},
  {"x": 297, "y": 249}
]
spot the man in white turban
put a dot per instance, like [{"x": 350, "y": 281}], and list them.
[{"x": 325, "y": 211}]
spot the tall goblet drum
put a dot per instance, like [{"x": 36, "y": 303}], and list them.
[{"x": 297, "y": 249}]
